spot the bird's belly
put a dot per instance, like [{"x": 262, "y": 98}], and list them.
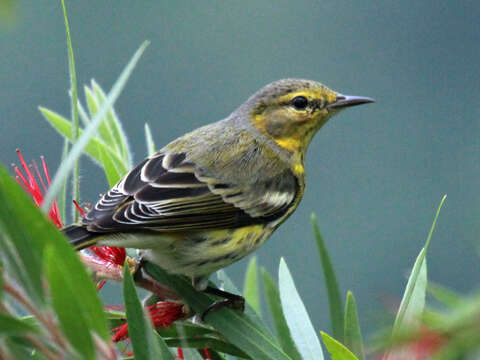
[{"x": 203, "y": 252}]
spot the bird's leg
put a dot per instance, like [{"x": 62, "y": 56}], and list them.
[{"x": 231, "y": 300}]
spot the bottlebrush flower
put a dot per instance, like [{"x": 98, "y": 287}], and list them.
[
  {"x": 108, "y": 259},
  {"x": 162, "y": 314},
  {"x": 111, "y": 257},
  {"x": 31, "y": 185}
]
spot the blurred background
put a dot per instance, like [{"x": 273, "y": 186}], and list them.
[{"x": 376, "y": 173}]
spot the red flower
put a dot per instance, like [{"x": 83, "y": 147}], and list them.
[
  {"x": 162, "y": 314},
  {"x": 32, "y": 186},
  {"x": 109, "y": 256}
]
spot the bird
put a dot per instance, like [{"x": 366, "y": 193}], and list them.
[{"x": 214, "y": 195}]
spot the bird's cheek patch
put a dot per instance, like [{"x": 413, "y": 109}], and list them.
[{"x": 273, "y": 125}]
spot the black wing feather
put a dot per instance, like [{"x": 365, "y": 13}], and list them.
[{"x": 165, "y": 193}]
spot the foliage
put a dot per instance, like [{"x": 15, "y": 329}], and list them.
[{"x": 50, "y": 308}]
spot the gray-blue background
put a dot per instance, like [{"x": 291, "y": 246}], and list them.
[{"x": 375, "y": 173}]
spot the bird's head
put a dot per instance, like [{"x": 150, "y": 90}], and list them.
[{"x": 291, "y": 111}]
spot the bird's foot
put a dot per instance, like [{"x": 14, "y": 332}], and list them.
[{"x": 230, "y": 300}]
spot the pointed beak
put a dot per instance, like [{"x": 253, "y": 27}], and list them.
[{"x": 344, "y": 101}]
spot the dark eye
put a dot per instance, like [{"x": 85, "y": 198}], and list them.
[{"x": 300, "y": 102}]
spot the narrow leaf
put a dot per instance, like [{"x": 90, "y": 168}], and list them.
[
  {"x": 104, "y": 131},
  {"x": 251, "y": 291},
  {"x": 81, "y": 284},
  {"x": 333, "y": 291},
  {"x": 10, "y": 325},
  {"x": 235, "y": 326},
  {"x": 353, "y": 335},
  {"x": 1, "y": 278},
  {"x": 30, "y": 232},
  {"x": 83, "y": 114},
  {"x": 62, "y": 196},
  {"x": 336, "y": 349},
  {"x": 68, "y": 305},
  {"x": 90, "y": 130},
  {"x": 13, "y": 264},
  {"x": 23, "y": 233},
  {"x": 444, "y": 295},
  {"x": 112, "y": 172},
  {"x": 187, "y": 329},
  {"x": 91, "y": 99},
  {"x": 73, "y": 106},
  {"x": 149, "y": 140},
  {"x": 191, "y": 354},
  {"x": 228, "y": 285},
  {"x": 205, "y": 342},
  {"x": 298, "y": 321},
  {"x": 63, "y": 127},
  {"x": 144, "y": 343},
  {"x": 413, "y": 299},
  {"x": 115, "y": 126},
  {"x": 275, "y": 307}
]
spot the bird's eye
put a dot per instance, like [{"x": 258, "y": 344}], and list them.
[{"x": 299, "y": 102}]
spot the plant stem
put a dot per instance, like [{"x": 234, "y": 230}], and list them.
[{"x": 74, "y": 109}]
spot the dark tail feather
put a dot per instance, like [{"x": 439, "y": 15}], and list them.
[{"x": 79, "y": 237}]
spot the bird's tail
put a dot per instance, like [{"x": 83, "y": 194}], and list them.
[{"x": 79, "y": 237}]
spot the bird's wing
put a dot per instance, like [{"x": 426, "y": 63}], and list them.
[{"x": 169, "y": 193}]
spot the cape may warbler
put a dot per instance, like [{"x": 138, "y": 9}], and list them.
[{"x": 214, "y": 195}]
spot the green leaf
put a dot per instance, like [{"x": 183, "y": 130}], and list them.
[
  {"x": 63, "y": 126},
  {"x": 235, "y": 326},
  {"x": 73, "y": 106},
  {"x": 83, "y": 115},
  {"x": 30, "y": 232},
  {"x": 187, "y": 329},
  {"x": 68, "y": 304},
  {"x": 13, "y": 263},
  {"x": 229, "y": 286},
  {"x": 145, "y": 344},
  {"x": 251, "y": 292},
  {"x": 91, "y": 99},
  {"x": 23, "y": 235},
  {"x": 104, "y": 131},
  {"x": 336, "y": 349},
  {"x": 444, "y": 295},
  {"x": 11, "y": 325},
  {"x": 62, "y": 196},
  {"x": 112, "y": 172},
  {"x": 413, "y": 299},
  {"x": 89, "y": 131},
  {"x": 16, "y": 350},
  {"x": 191, "y": 354},
  {"x": 333, "y": 291},
  {"x": 80, "y": 284},
  {"x": 149, "y": 140},
  {"x": 205, "y": 342},
  {"x": 1, "y": 278},
  {"x": 115, "y": 126},
  {"x": 353, "y": 335},
  {"x": 298, "y": 321},
  {"x": 275, "y": 307}
]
